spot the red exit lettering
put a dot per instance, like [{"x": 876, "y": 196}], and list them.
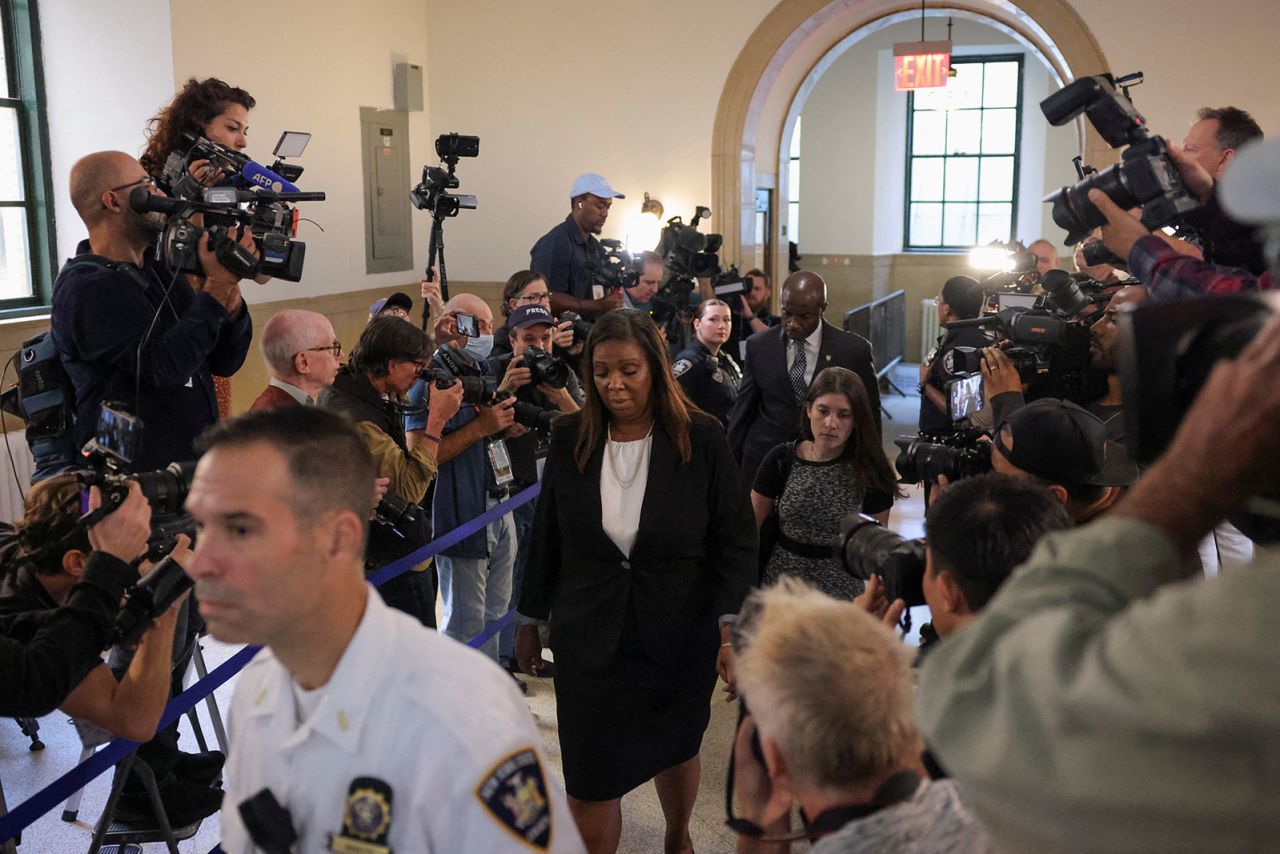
[{"x": 921, "y": 71}]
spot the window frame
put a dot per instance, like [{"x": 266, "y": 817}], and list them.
[
  {"x": 793, "y": 193},
  {"x": 942, "y": 247},
  {"x": 25, "y": 75}
]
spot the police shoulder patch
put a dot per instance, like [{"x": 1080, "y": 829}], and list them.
[
  {"x": 514, "y": 793},
  {"x": 681, "y": 366}
]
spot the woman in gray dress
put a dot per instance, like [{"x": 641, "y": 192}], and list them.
[{"x": 836, "y": 468}]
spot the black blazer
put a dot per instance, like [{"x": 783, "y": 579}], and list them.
[
  {"x": 766, "y": 413},
  {"x": 694, "y": 558}
]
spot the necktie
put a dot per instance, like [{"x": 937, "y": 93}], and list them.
[{"x": 798, "y": 365}]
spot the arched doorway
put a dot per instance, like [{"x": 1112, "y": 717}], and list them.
[{"x": 786, "y": 53}]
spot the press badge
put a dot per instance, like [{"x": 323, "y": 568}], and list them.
[
  {"x": 500, "y": 462},
  {"x": 597, "y": 291}
]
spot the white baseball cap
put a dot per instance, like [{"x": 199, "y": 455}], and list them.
[{"x": 596, "y": 185}]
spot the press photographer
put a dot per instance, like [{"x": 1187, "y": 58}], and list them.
[
  {"x": 129, "y": 328},
  {"x": 977, "y": 531},
  {"x": 961, "y": 298},
  {"x": 475, "y": 474},
  {"x": 46, "y": 654},
  {"x": 384, "y": 364},
  {"x": 52, "y": 556},
  {"x": 1102, "y": 673},
  {"x": 830, "y": 730},
  {"x": 567, "y": 253}
]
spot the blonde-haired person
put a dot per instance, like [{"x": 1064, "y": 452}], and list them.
[{"x": 830, "y": 692}]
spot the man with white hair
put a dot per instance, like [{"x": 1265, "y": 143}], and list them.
[
  {"x": 830, "y": 694},
  {"x": 301, "y": 352}
]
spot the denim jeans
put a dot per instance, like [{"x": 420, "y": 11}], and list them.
[
  {"x": 476, "y": 591},
  {"x": 523, "y": 516}
]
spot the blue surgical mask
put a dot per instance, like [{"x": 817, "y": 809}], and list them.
[{"x": 479, "y": 347}]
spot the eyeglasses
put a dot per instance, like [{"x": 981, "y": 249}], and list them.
[
  {"x": 335, "y": 349},
  {"x": 543, "y": 296},
  {"x": 145, "y": 180}
]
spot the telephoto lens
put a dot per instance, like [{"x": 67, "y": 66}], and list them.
[{"x": 868, "y": 548}]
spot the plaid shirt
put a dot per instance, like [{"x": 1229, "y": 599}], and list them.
[{"x": 1171, "y": 275}]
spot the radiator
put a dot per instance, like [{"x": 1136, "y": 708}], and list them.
[
  {"x": 14, "y": 445},
  {"x": 929, "y": 327}
]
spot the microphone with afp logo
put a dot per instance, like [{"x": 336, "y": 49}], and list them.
[{"x": 366, "y": 819}]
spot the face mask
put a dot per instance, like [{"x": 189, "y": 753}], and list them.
[{"x": 479, "y": 347}]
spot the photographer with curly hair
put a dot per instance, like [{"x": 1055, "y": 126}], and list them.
[{"x": 209, "y": 108}]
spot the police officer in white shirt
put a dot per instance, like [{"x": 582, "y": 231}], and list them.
[{"x": 372, "y": 732}]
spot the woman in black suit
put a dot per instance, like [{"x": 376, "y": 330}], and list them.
[{"x": 643, "y": 544}]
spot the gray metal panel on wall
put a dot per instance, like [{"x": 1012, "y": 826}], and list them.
[{"x": 388, "y": 227}]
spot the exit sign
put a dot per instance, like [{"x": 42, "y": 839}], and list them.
[{"x": 920, "y": 65}]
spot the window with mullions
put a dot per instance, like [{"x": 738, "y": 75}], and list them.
[
  {"x": 962, "y": 155},
  {"x": 26, "y": 222}
]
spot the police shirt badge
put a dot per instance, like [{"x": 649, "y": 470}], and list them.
[
  {"x": 681, "y": 366},
  {"x": 949, "y": 362},
  {"x": 366, "y": 819},
  {"x": 514, "y": 793}
]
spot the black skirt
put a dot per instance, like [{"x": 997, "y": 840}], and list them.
[{"x": 621, "y": 726}]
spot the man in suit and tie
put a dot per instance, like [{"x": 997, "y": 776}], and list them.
[
  {"x": 301, "y": 352},
  {"x": 780, "y": 364}
]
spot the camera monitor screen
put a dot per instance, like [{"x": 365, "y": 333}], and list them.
[
  {"x": 292, "y": 143},
  {"x": 118, "y": 434},
  {"x": 965, "y": 397}
]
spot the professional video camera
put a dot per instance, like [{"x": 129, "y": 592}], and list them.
[
  {"x": 1144, "y": 176},
  {"x": 114, "y": 445},
  {"x": 690, "y": 255},
  {"x": 956, "y": 455},
  {"x": 265, "y": 211},
  {"x": 613, "y": 266},
  {"x": 432, "y": 195},
  {"x": 1049, "y": 347},
  {"x": 1016, "y": 266},
  {"x": 225, "y": 211},
  {"x": 867, "y": 548}
]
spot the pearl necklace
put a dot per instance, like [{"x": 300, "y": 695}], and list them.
[{"x": 625, "y": 482}]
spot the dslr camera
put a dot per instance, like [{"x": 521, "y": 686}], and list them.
[
  {"x": 956, "y": 455},
  {"x": 115, "y": 443},
  {"x": 868, "y": 548},
  {"x": 1145, "y": 176}
]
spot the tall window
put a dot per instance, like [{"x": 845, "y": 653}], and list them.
[
  {"x": 26, "y": 221},
  {"x": 793, "y": 187},
  {"x": 962, "y": 155}
]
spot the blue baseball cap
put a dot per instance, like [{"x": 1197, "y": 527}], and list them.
[
  {"x": 396, "y": 300},
  {"x": 529, "y": 315},
  {"x": 594, "y": 184}
]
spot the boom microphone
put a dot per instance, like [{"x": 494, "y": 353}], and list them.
[
  {"x": 142, "y": 200},
  {"x": 261, "y": 176}
]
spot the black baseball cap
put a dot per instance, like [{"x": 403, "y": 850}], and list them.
[
  {"x": 1061, "y": 442},
  {"x": 529, "y": 315}
]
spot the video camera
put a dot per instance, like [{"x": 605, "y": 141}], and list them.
[
  {"x": 254, "y": 196},
  {"x": 1145, "y": 176},
  {"x": 114, "y": 445},
  {"x": 614, "y": 267},
  {"x": 227, "y": 210},
  {"x": 690, "y": 255},
  {"x": 432, "y": 193},
  {"x": 1049, "y": 346}
]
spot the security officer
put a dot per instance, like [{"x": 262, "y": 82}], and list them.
[
  {"x": 430, "y": 748},
  {"x": 707, "y": 373}
]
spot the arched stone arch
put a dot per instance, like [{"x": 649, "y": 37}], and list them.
[{"x": 789, "y": 49}]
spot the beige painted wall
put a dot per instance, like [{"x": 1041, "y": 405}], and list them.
[{"x": 559, "y": 87}]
